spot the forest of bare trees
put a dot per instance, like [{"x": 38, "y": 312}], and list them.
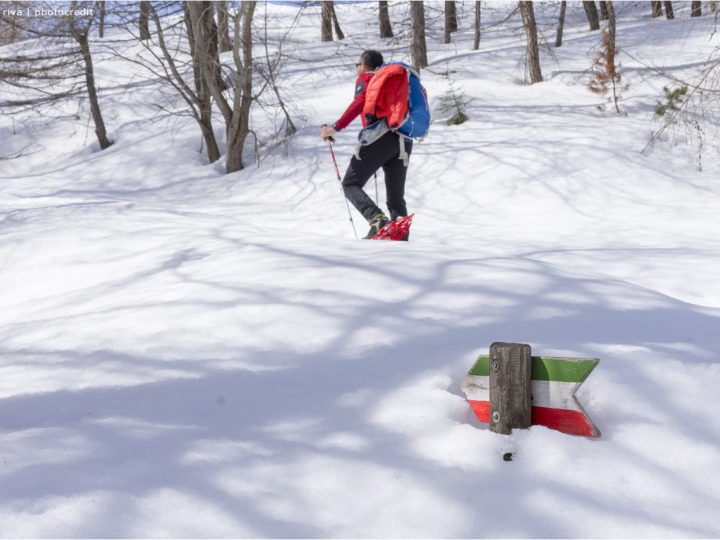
[{"x": 213, "y": 58}]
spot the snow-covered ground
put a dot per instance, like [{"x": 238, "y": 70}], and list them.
[{"x": 185, "y": 353}]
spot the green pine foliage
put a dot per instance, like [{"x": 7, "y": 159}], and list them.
[
  {"x": 673, "y": 98},
  {"x": 454, "y": 101}
]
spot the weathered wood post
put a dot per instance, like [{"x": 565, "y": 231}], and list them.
[{"x": 510, "y": 394}]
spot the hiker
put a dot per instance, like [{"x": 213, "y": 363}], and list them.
[{"x": 385, "y": 153}]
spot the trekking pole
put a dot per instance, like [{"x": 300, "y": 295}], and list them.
[{"x": 330, "y": 140}]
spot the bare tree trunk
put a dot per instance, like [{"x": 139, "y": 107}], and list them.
[
  {"x": 476, "y": 42},
  {"x": 451, "y": 15},
  {"x": 203, "y": 37},
  {"x": 224, "y": 41},
  {"x": 336, "y": 24},
  {"x": 81, "y": 37},
  {"x": 533, "y": 56},
  {"x": 100, "y": 131},
  {"x": 239, "y": 126},
  {"x": 384, "y": 20},
  {"x": 143, "y": 24},
  {"x": 101, "y": 20},
  {"x": 696, "y": 9},
  {"x": 447, "y": 27},
  {"x": 204, "y": 54},
  {"x": 603, "y": 11},
  {"x": 325, "y": 21},
  {"x": 561, "y": 24},
  {"x": 450, "y": 20},
  {"x": 592, "y": 15},
  {"x": 656, "y": 8},
  {"x": 669, "y": 13},
  {"x": 418, "y": 48},
  {"x": 611, "y": 53},
  {"x": 213, "y": 45}
]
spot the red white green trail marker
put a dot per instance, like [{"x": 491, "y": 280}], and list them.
[{"x": 553, "y": 386}]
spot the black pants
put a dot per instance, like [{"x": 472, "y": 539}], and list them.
[{"x": 385, "y": 153}]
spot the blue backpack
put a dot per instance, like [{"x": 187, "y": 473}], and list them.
[{"x": 417, "y": 123}]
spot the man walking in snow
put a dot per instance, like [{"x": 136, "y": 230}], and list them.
[{"x": 385, "y": 153}]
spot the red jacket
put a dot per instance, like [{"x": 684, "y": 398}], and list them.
[
  {"x": 386, "y": 96},
  {"x": 357, "y": 104}
]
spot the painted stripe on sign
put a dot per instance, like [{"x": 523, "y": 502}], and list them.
[
  {"x": 553, "y": 394},
  {"x": 481, "y": 367},
  {"x": 481, "y": 409},
  {"x": 476, "y": 387},
  {"x": 562, "y": 369},
  {"x": 572, "y": 422},
  {"x": 567, "y": 421},
  {"x": 547, "y": 368},
  {"x": 556, "y": 395}
]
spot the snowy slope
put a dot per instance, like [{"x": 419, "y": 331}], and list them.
[{"x": 186, "y": 353}]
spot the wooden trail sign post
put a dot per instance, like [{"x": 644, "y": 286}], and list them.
[
  {"x": 510, "y": 385},
  {"x": 509, "y": 380}
]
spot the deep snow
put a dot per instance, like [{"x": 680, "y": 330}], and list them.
[{"x": 186, "y": 353}]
